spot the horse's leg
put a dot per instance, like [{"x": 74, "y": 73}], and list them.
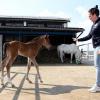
[
  {"x": 71, "y": 58},
  {"x": 11, "y": 60},
  {"x": 61, "y": 56},
  {"x": 28, "y": 69},
  {"x": 3, "y": 64},
  {"x": 2, "y": 76},
  {"x": 37, "y": 68}
]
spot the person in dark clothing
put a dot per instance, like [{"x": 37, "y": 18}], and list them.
[{"x": 95, "y": 35}]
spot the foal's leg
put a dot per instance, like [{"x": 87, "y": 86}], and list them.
[
  {"x": 28, "y": 69},
  {"x": 2, "y": 76},
  {"x": 37, "y": 68},
  {"x": 11, "y": 60},
  {"x": 3, "y": 64}
]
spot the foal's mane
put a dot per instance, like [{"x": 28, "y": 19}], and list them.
[{"x": 34, "y": 39}]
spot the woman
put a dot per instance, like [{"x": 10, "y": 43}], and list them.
[{"x": 95, "y": 35}]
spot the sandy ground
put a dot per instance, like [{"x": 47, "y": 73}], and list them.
[{"x": 60, "y": 83}]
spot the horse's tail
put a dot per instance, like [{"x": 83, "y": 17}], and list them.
[{"x": 5, "y": 46}]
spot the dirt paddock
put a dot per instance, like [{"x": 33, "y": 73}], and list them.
[{"x": 60, "y": 83}]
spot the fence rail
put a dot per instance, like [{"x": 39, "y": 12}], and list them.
[{"x": 88, "y": 55}]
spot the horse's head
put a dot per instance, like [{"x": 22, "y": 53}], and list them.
[
  {"x": 46, "y": 41},
  {"x": 78, "y": 57}
]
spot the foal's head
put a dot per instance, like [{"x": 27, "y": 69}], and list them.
[{"x": 46, "y": 41}]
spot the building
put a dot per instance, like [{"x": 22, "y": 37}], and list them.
[{"x": 26, "y": 28}]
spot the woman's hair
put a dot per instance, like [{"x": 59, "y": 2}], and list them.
[{"x": 94, "y": 10}]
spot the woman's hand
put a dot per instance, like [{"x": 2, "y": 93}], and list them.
[{"x": 75, "y": 39}]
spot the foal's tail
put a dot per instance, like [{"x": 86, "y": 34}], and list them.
[{"x": 5, "y": 45}]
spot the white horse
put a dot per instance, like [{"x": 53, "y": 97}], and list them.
[{"x": 69, "y": 49}]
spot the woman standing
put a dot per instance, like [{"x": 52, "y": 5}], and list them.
[{"x": 95, "y": 35}]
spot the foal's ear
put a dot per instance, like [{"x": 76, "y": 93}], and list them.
[{"x": 45, "y": 36}]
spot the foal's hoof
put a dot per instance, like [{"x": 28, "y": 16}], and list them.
[
  {"x": 13, "y": 86},
  {"x": 2, "y": 85},
  {"x": 41, "y": 81},
  {"x": 30, "y": 81}
]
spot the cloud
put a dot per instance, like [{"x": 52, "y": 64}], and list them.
[
  {"x": 47, "y": 13},
  {"x": 82, "y": 11},
  {"x": 84, "y": 22},
  {"x": 17, "y": 7}
]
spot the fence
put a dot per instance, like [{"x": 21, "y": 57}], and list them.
[{"x": 88, "y": 55}]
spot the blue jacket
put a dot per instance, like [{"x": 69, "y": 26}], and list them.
[{"x": 94, "y": 34}]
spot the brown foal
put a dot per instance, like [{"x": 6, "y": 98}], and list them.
[{"x": 29, "y": 49}]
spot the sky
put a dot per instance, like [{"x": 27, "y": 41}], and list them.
[{"x": 75, "y": 10}]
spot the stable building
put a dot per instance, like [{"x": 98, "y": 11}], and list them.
[{"x": 26, "y": 28}]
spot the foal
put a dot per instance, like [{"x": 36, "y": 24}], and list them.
[{"x": 29, "y": 50}]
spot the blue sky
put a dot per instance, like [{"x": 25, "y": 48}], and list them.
[{"x": 75, "y": 10}]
